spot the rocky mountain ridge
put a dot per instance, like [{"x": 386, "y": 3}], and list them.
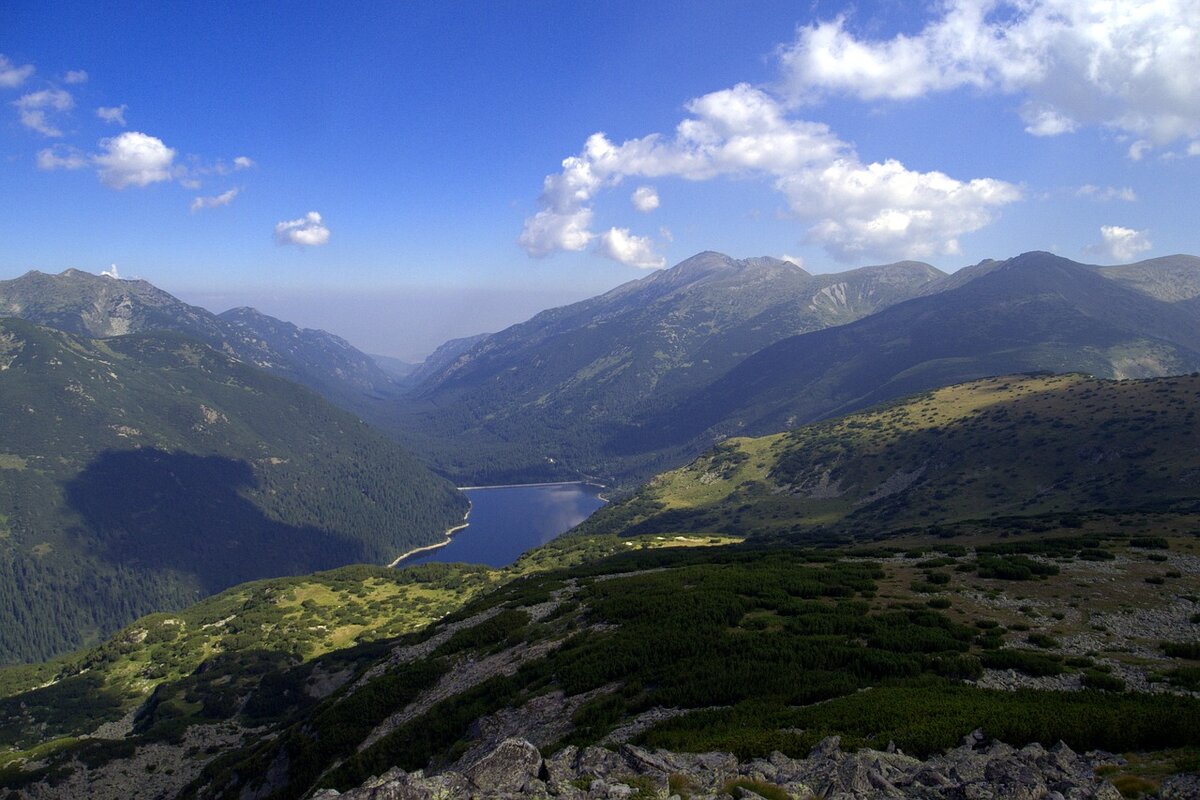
[{"x": 977, "y": 769}]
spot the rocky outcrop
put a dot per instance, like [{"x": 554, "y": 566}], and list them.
[{"x": 976, "y": 770}]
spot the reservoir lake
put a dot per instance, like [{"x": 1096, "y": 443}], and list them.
[{"x": 505, "y": 521}]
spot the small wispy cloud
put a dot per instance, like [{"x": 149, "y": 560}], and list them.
[
  {"x": 1138, "y": 149},
  {"x": 61, "y": 156},
  {"x": 216, "y": 201},
  {"x": 1106, "y": 193},
  {"x": 308, "y": 231},
  {"x": 114, "y": 115},
  {"x": 37, "y": 108},
  {"x": 75, "y": 76},
  {"x": 243, "y": 162},
  {"x": 12, "y": 76}
]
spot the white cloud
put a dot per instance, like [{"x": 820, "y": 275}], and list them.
[
  {"x": 134, "y": 159},
  {"x": 888, "y": 210},
  {"x": 242, "y": 162},
  {"x": 1047, "y": 122},
  {"x": 36, "y": 107},
  {"x": 1107, "y": 193},
  {"x": 111, "y": 272},
  {"x": 1193, "y": 148},
  {"x": 853, "y": 208},
  {"x": 75, "y": 76},
  {"x": 1120, "y": 244},
  {"x": 1133, "y": 66},
  {"x": 308, "y": 231},
  {"x": 645, "y": 198},
  {"x": 550, "y": 231},
  {"x": 12, "y": 76},
  {"x": 797, "y": 260},
  {"x": 112, "y": 114},
  {"x": 216, "y": 201},
  {"x": 634, "y": 251}
]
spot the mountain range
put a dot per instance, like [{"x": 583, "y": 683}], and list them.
[
  {"x": 541, "y": 399},
  {"x": 652, "y": 373}
]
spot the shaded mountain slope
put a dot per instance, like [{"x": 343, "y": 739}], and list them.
[
  {"x": 99, "y": 306},
  {"x": 140, "y": 472}
]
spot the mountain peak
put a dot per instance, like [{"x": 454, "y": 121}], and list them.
[{"x": 709, "y": 266}]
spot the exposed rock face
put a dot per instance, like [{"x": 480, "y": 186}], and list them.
[{"x": 975, "y": 770}]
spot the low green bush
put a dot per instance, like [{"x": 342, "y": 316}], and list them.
[
  {"x": 1190, "y": 650},
  {"x": 1033, "y": 664}
]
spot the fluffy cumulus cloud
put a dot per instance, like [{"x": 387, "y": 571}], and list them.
[
  {"x": 114, "y": 115},
  {"x": 308, "y": 231},
  {"x": 636, "y": 251},
  {"x": 243, "y": 162},
  {"x": 134, "y": 159},
  {"x": 886, "y": 209},
  {"x": 853, "y": 208},
  {"x": 1133, "y": 66},
  {"x": 37, "y": 110},
  {"x": 75, "y": 76},
  {"x": 11, "y": 75},
  {"x": 645, "y": 199},
  {"x": 216, "y": 201},
  {"x": 61, "y": 157},
  {"x": 1120, "y": 244}
]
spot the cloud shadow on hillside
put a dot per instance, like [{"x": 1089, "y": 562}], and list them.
[{"x": 151, "y": 509}]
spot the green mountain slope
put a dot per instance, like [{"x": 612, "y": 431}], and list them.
[
  {"x": 538, "y": 399},
  {"x": 1033, "y": 312},
  {"x": 98, "y": 306},
  {"x": 1017, "y": 446},
  {"x": 141, "y": 472}
]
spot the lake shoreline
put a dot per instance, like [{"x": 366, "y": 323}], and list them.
[
  {"x": 531, "y": 485},
  {"x": 449, "y": 533},
  {"x": 422, "y": 553}
]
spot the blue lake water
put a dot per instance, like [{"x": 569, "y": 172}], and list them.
[{"x": 505, "y": 521}]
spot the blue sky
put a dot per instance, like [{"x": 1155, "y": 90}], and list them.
[{"x": 395, "y": 173}]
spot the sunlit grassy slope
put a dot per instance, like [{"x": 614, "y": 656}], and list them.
[{"x": 1010, "y": 446}]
